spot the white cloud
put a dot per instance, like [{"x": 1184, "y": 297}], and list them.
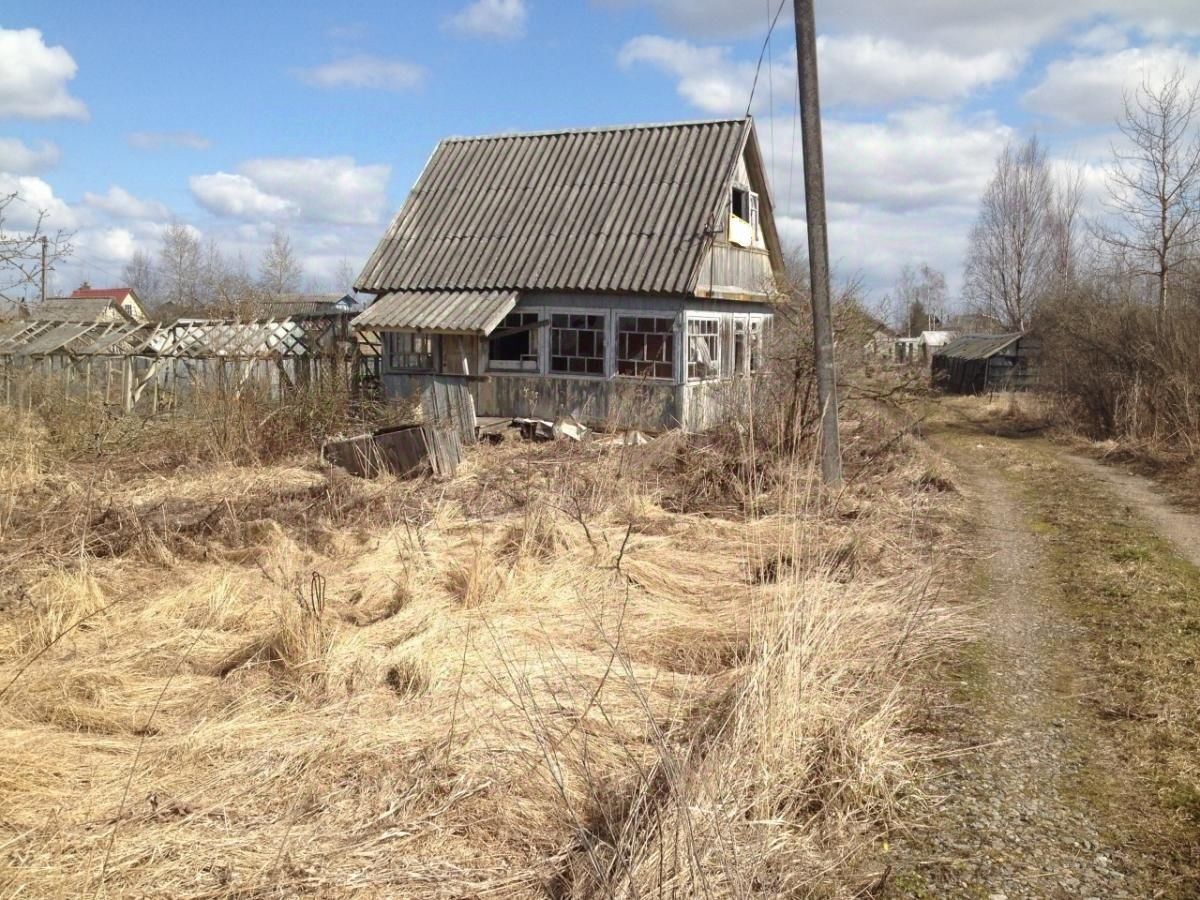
[
  {"x": 1102, "y": 38},
  {"x": 920, "y": 159},
  {"x": 364, "y": 71},
  {"x": 20, "y": 158},
  {"x": 235, "y": 195},
  {"x": 902, "y": 190},
  {"x": 119, "y": 203},
  {"x": 979, "y": 26},
  {"x": 1088, "y": 89},
  {"x": 503, "y": 19},
  {"x": 162, "y": 140},
  {"x": 334, "y": 189},
  {"x": 870, "y": 71},
  {"x": 707, "y": 78},
  {"x": 114, "y": 246},
  {"x": 859, "y": 70},
  {"x": 34, "y": 196},
  {"x": 33, "y": 78}
]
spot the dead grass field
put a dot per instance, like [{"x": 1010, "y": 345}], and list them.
[{"x": 573, "y": 671}]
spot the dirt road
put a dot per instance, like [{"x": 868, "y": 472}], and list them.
[{"x": 1068, "y": 730}]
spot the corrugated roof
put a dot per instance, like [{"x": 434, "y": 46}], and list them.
[
  {"x": 977, "y": 346},
  {"x": 117, "y": 294},
  {"x": 615, "y": 209},
  {"x": 78, "y": 309},
  {"x": 452, "y": 312}
]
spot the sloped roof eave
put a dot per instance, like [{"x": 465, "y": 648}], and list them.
[{"x": 441, "y": 312}]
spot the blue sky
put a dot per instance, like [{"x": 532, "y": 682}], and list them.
[{"x": 118, "y": 118}]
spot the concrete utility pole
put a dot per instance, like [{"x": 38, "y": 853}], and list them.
[
  {"x": 43, "y": 268},
  {"x": 818, "y": 242}
]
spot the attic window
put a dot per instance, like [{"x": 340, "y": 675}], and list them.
[
  {"x": 743, "y": 223},
  {"x": 740, "y": 203}
]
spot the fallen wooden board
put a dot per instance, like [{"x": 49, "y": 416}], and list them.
[{"x": 406, "y": 451}]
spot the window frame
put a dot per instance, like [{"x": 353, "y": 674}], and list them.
[
  {"x": 739, "y": 327},
  {"x": 756, "y": 332},
  {"x": 713, "y": 339},
  {"x": 391, "y": 347},
  {"x": 673, "y": 361},
  {"x": 535, "y": 340},
  {"x": 606, "y": 317}
]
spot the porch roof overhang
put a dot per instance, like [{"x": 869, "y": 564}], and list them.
[{"x": 440, "y": 312}]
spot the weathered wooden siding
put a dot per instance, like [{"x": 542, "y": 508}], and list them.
[
  {"x": 598, "y": 402},
  {"x": 601, "y": 401},
  {"x": 443, "y": 398},
  {"x": 735, "y": 273}
]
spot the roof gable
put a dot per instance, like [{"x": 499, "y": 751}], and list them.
[
  {"x": 78, "y": 309},
  {"x": 619, "y": 209},
  {"x": 978, "y": 346}
]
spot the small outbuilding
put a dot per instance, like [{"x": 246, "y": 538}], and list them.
[
  {"x": 982, "y": 363},
  {"x": 619, "y": 275}
]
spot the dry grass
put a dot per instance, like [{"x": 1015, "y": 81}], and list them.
[{"x": 534, "y": 681}]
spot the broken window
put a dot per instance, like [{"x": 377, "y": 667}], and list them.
[
  {"x": 646, "y": 347},
  {"x": 757, "y": 359},
  {"x": 577, "y": 344},
  {"x": 739, "y": 346},
  {"x": 704, "y": 349},
  {"x": 409, "y": 351},
  {"x": 743, "y": 203},
  {"x": 514, "y": 345},
  {"x": 739, "y": 203},
  {"x": 743, "y": 221}
]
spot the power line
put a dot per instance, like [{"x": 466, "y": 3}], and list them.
[
  {"x": 763, "y": 52},
  {"x": 770, "y": 81}
]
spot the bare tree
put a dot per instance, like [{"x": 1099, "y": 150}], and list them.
[
  {"x": 141, "y": 276},
  {"x": 280, "y": 272},
  {"x": 343, "y": 277},
  {"x": 181, "y": 266},
  {"x": 1154, "y": 190},
  {"x": 921, "y": 296},
  {"x": 1010, "y": 255},
  {"x": 21, "y": 250},
  {"x": 1065, "y": 224}
]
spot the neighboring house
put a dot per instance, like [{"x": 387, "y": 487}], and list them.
[
  {"x": 906, "y": 349},
  {"x": 125, "y": 299},
  {"x": 306, "y": 305},
  {"x": 78, "y": 309},
  {"x": 618, "y": 274},
  {"x": 978, "y": 364},
  {"x": 920, "y": 349},
  {"x": 933, "y": 341}
]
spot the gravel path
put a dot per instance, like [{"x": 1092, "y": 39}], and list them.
[
  {"x": 1013, "y": 821},
  {"x": 1180, "y": 528}
]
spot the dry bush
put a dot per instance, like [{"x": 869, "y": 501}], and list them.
[{"x": 1122, "y": 374}]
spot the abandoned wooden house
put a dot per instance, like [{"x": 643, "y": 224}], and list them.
[
  {"x": 980, "y": 364},
  {"x": 623, "y": 275}
]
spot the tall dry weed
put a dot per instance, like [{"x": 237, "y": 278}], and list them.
[{"x": 542, "y": 676}]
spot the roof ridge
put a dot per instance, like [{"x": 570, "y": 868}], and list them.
[{"x": 553, "y": 132}]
